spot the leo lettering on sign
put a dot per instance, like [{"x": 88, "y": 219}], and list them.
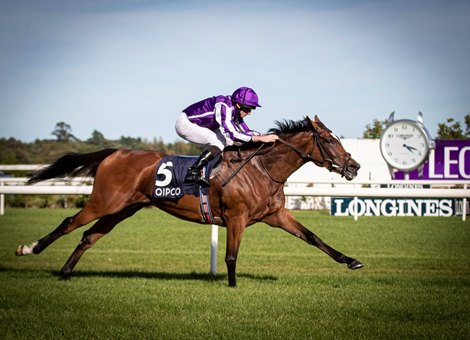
[
  {"x": 450, "y": 160},
  {"x": 454, "y": 158}
]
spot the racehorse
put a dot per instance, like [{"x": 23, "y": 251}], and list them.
[{"x": 247, "y": 188}]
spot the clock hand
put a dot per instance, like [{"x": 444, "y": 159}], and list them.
[{"x": 410, "y": 148}]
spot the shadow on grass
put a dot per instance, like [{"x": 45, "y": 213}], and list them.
[{"x": 192, "y": 276}]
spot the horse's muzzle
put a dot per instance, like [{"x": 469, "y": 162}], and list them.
[{"x": 350, "y": 169}]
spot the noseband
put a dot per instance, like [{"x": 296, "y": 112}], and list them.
[{"x": 330, "y": 158}]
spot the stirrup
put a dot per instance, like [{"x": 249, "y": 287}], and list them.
[
  {"x": 198, "y": 180},
  {"x": 194, "y": 176}
]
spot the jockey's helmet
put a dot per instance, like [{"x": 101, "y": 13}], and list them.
[{"x": 246, "y": 97}]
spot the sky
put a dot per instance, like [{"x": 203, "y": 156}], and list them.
[{"x": 129, "y": 67}]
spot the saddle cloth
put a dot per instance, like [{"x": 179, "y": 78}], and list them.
[{"x": 170, "y": 174}]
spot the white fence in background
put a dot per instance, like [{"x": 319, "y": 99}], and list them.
[{"x": 341, "y": 188}]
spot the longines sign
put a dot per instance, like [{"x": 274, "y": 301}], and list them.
[
  {"x": 344, "y": 206},
  {"x": 450, "y": 160}
]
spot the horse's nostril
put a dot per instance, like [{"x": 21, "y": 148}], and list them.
[{"x": 353, "y": 167}]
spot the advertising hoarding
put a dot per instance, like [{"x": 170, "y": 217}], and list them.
[{"x": 450, "y": 160}]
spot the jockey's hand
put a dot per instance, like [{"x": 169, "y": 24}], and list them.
[{"x": 265, "y": 138}]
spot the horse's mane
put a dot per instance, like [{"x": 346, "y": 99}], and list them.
[{"x": 286, "y": 127}]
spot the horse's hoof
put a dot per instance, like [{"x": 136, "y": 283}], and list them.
[
  {"x": 19, "y": 251},
  {"x": 355, "y": 265},
  {"x": 65, "y": 275},
  {"x": 25, "y": 250}
]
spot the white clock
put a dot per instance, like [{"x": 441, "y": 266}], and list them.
[{"x": 405, "y": 144}]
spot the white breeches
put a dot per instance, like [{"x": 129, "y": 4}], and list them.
[{"x": 199, "y": 135}]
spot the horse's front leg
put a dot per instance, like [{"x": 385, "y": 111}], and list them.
[
  {"x": 235, "y": 228},
  {"x": 284, "y": 220}
]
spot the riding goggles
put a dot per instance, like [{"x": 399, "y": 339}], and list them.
[{"x": 246, "y": 109}]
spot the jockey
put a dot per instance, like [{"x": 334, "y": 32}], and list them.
[{"x": 218, "y": 122}]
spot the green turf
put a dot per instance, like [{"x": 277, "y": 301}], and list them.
[{"x": 148, "y": 279}]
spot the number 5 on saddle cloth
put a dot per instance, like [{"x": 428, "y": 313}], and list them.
[{"x": 170, "y": 174}]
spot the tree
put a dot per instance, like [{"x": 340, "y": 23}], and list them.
[
  {"x": 159, "y": 145},
  {"x": 374, "y": 130},
  {"x": 452, "y": 129},
  {"x": 467, "y": 124},
  {"x": 97, "y": 138},
  {"x": 131, "y": 142},
  {"x": 63, "y": 132}
]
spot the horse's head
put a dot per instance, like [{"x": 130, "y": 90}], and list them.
[{"x": 331, "y": 153}]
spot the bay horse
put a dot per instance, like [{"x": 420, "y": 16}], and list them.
[{"x": 240, "y": 193}]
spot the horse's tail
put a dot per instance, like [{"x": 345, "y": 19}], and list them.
[{"x": 71, "y": 165}]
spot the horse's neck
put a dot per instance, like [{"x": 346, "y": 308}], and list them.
[{"x": 283, "y": 161}]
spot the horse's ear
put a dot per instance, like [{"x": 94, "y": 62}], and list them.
[
  {"x": 312, "y": 123},
  {"x": 319, "y": 126}
]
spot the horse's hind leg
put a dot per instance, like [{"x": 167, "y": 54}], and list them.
[
  {"x": 84, "y": 216},
  {"x": 103, "y": 226},
  {"x": 284, "y": 219}
]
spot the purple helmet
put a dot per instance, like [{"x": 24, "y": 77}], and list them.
[{"x": 246, "y": 96}]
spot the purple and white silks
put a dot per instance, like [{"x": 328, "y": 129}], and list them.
[{"x": 218, "y": 113}]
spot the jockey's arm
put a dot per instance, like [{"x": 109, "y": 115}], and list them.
[{"x": 265, "y": 138}]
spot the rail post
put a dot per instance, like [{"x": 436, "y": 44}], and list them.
[
  {"x": 464, "y": 202},
  {"x": 355, "y": 208},
  {"x": 2, "y": 202},
  {"x": 214, "y": 244}
]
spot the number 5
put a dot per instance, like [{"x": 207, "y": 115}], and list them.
[{"x": 163, "y": 170}]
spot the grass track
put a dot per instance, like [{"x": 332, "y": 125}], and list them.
[{"x": 148, "y": 279}]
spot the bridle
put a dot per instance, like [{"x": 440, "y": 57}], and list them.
[{"x": 326, "y": 155}]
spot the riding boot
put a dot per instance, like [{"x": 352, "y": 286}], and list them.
[{"x": 194, "y": 174}]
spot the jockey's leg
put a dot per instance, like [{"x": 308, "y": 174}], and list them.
[
  {"x": 214, "y": 139},
  {"x": 194, "y": 174}
]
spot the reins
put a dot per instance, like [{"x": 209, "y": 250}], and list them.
[
  {"x": 305, "y": 156},
  {"x": 245, "y": 160},
  {"x": 329, "y": 157},
  {"x": 302, "y": 154},
  {"x": 323, "y": 151}
]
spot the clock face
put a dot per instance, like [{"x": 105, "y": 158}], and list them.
[{"x": 404, "y": 145}]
